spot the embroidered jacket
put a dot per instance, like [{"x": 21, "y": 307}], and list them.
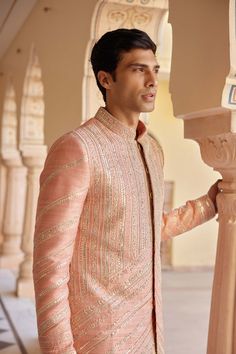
[{"x": 97, "y": 269}]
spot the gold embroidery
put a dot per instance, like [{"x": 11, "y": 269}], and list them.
[
  {"x": 52, "y": 321},
  {"x": 66, "y": 166},
  {"x": 116, "y": 297},
  {"x": 113, "y": 258},
  {"x": 201, "y": 208},
  {"x": 51, "y": 304},
  {"x": 45, "y": 259},
  {"x": 60, "y": 201},
  {"x": 53, "y": 286},
  {"x": 51, "y": 270},
  {"x": 53, "y": 231}
]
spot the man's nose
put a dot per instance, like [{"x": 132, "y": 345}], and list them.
[{"x": 151, "y": 80}]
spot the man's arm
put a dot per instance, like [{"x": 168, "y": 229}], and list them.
[
  {"x": 193, "y": 213},
  {"x": 63, "y": 188}
]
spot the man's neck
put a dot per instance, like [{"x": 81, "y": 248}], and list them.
[{"x": 130, "y": 119}]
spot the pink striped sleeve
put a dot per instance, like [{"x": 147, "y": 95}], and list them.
[
  {"x": 193, "y": 213},
  {"x": 63, "y": 189}
]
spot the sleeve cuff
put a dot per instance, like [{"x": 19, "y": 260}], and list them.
[{"x": 206, "y": 207}]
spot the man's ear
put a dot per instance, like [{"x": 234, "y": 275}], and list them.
[{"x": 105, "y": 79}]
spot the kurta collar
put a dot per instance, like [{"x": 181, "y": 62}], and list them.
[{"x": 118, "y": 127}]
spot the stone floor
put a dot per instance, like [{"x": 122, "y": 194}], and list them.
[
  {"x": 186, "y": 300},
  {"x": 186, "y": 304}
]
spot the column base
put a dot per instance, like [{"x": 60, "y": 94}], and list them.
[
  {"x": 25, "y": 288},
  {"x": 11, "y": 262}
]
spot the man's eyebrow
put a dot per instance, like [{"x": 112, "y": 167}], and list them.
[{"x": 157, "y": 66}]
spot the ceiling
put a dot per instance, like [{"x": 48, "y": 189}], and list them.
[{"x": 13, "y": 14}]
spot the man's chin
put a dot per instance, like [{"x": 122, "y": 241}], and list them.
[{"x": 148, "y": 109}]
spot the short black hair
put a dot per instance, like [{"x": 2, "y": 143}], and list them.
[{"x": 107, "y": 52}]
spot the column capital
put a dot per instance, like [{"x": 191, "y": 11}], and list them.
[
  {"x": 219, "y": 152},
  {"x": 215, "y": 132},
  {"x": 11, "y": 158}
]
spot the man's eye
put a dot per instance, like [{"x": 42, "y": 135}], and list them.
[{"x": 140, "y": 69}]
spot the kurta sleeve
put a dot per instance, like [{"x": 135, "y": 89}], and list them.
[
  {"x": 63, "y": 188},
  {"x": 193, "y": 213}
]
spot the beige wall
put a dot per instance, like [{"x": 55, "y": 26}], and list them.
[
  {"x": 60, "y": 36},
  {"x": 200, "y": 57},
  {"x": 192, "y": 178}
]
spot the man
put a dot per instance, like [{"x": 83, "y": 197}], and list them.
[{"x": 99, "y": 221}]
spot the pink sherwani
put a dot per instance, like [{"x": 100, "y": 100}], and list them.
[{"x": 97, "y": 268}]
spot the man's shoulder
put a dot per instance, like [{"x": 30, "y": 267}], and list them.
[
  {"x": 75, "y": 135},
  {"x": 86, "y": 127}
]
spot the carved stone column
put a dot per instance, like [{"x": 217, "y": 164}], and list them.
[
  {"x": 220, "y": 152},
  {"x": 34, "y": 165},
  {"x": 11, "y": 254},
  {"x": 214, "y": 129},
  {"x": 33, "y": 155},
  {"x": 216, "y": 135},
  {"x": 14, "y": 201}
]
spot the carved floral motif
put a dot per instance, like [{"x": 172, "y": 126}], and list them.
[
  {"x": 219, "y": 151},
  {"x": 9, "y": 120},
  {"x": 161, "y": 4},
  {"x": 129, "y": 18}
]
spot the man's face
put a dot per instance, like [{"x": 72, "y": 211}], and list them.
[{"x": 134, "y": 89}]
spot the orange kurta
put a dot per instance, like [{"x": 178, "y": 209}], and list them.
[{"x": 97, "y": 270}]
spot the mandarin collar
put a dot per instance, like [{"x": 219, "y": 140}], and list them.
[{"x": 120, "y": 128}]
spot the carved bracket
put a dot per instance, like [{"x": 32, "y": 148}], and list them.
[{"x": 219, "y": 151}]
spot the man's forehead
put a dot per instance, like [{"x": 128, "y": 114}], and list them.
[{"x": 139, "y": 56}]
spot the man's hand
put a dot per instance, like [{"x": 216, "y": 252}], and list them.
[{"x": 213, "y": 191}]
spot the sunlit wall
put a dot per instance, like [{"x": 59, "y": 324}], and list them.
[{"x": 191, "y": 177}]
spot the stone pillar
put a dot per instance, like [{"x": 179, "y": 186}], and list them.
[
  {"x": 220, "y": 151},
  {"x": 198, "y": 74},
  {"x": 216, "y": 136},
  {"x": 12, "y": 201},
  {"x": 222, "y": 328},
  {"x": 33, "y": 153},
  {"x": 11, "y": 254},
  {"x": 34, "y": 165}
]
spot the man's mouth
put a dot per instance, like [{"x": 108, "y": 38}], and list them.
[{"x": 150, "y": 96}]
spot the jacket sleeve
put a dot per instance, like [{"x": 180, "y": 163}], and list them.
[
  {"x": 63, "y": 188},
  {"x": 193, "y": 213}
]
